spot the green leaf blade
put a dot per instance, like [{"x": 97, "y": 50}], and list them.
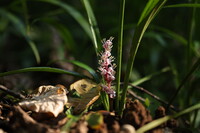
[
  {"x": 93, "y": 25},
  {"x": 42, "y": 69},
  {"x": 86, "y": 67},
  {"x": 182, "y": 5},
  {"x": 153, "y": 9}
]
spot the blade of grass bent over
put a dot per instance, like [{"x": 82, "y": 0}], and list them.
[
  {"x": 81, "y": 65},
  {"x": 119, "y": 52},
  {"x": 86, "y": 67},
  {"x": 42, "y": 69},
  {"x": 93, "y": 25},
  {"x": 150, "y": 11}
]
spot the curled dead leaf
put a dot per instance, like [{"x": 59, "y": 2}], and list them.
[
  {"x": 87, "y": 93},
  {"x": 49, "y": 99}
]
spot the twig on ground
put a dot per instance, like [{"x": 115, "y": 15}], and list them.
[
  {"x": 5, "y": 105},
  {"x": 14, "y": 94},
  {"x": 154, "y": 96},
  {"x": 135, "y": 95}
]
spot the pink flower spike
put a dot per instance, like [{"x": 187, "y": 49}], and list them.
[{"x": 106, "y": 67}]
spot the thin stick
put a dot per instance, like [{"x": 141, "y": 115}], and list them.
[
  {"x": 135, "y": 95},
  {"x": 5, "y": 105},
  {"x": 14, "y": 94},
  {"x": 152, "y": 95}
]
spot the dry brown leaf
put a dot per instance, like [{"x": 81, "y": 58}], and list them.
[
  {"x": 89, "y": 92},
  {"x": 49, "y": 99}
]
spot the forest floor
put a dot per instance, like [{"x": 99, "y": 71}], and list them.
[{"x": 15, "y": 119}]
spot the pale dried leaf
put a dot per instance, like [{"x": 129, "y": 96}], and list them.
[
  {"x": 49, "y": 99},
  {"x": 89, "y": 92}
]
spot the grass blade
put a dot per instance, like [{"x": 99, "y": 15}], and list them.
[
  {"x": 149, "y": 77},
  {"x": 25, "y": 11},
  {"x": 93, "y": 25},
  {"x": 172, "y": 34},
  {"x": 162, "y": 120},
  {"x": 190, "y": 46},
  {"x": 153, "y": 7},
  {"x": 105, "y": 100},
  {"x": 34, "y": 49},
  {"x": 81, "y": 65},
  {"x": 182, "y": 5},
  {"x": 148, "y": 9},
  {"x": 86, "y": 67},
  {"x": 119, "y": 53},
  {"x": 192, "y": 70},
  {"x": 74, "y": 13},
  {"x": 42, "y": 69},
  {"x": 22, "y": 30}
]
